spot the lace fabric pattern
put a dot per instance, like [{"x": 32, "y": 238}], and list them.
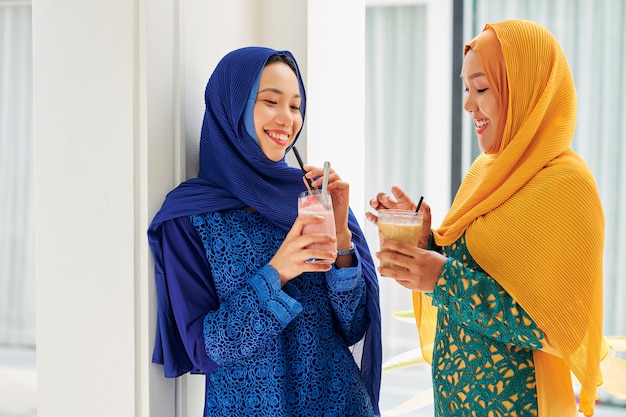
[
  {"x": 281, "y": 352},
  {"x": 482, "y": 361}
]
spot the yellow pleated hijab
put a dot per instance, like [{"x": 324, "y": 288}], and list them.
[{"x": 531, "y": 210}]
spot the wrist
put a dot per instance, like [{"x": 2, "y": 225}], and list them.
[
  {"x": 344, "y": 240},
  {"x": 346, "y": 251}
]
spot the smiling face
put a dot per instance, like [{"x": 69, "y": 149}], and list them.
[
  {"x": 277, "y": 117},
  {"x": 481, "y": 103}
]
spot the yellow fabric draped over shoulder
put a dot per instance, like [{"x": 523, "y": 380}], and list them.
[{"x": 531, "y": 210}]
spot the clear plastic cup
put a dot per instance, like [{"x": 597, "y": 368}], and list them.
[
  {"x": 402, "y": 225},
  {"x": 319, "y": 204}
]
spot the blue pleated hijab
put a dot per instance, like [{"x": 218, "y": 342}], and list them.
[{"x": 235, "y": 173}]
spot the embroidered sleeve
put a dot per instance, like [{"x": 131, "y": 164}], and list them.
[
  {"x": 250, "y": 319},
  {"x": 253, "y": 309},
  {"x": 476, "y": 300},
  {"x": 348, "y": 297}
]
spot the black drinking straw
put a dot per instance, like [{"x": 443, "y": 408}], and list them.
[
  {"x": 419, "y": 203},
  {"x": 295, "y": 151}
]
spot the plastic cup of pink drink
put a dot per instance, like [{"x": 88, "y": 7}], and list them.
[{"x": 319, "y": 204}]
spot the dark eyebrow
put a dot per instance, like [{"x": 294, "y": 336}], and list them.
[{"x": 275, "y": 90}]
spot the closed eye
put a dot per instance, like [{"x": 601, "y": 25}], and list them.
[{"x": 479, "y": 91}]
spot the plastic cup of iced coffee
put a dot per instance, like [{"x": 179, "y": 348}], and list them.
[{"x": 402, "y": 225}]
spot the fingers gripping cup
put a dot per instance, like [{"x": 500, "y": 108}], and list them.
[
  {"x": 319, "y": 204},
  {"x": 402, "y": 225}
]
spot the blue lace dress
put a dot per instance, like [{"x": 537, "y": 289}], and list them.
[
  {"x": 482, "y": 360},
  {"x": 278, "y": 352}
]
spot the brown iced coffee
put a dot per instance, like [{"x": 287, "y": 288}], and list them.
[{"x": 401, "y": 225}]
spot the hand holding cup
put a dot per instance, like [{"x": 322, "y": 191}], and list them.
[{"x": 319, "y": 204}]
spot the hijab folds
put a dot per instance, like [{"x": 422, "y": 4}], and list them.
[
  {"x": 530, "y": 209},
  {"x": 234, "y": 173}
]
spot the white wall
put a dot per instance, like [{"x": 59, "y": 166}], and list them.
[
  {"x": 86, "y": 131},
  {"x": 208, "y": 30}
]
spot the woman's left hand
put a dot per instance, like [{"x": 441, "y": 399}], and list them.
[
  {"x": 420, "y": 267},
  {"x": 340, "y": 194}
]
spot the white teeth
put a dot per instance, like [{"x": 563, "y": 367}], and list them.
[
  {"x": 480, "y": 123},
  {"x": 280, "y": 136}
]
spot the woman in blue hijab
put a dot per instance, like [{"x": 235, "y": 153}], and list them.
[{"x": 237, "y": 301}]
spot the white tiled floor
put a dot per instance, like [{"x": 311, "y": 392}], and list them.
[{"x": 18, "y": 384}]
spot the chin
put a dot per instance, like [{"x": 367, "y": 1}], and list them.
[
  {"x": 483, "y": 146},
  {"x": 275, "y": 157}
]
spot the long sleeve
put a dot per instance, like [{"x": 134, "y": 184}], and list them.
[
  {"x": 348, "y": 298},
  {"x": 248, "y": 321},
  {"x": 214, "y": 332},
  {"x": 190, "y": 287}
]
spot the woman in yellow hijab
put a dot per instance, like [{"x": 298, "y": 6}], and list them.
[{"x": 508, "y": 291}]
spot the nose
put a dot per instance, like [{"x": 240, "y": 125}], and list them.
[
  {"x": 469, "y": 104},
  {"x": 284, "y": 117}
]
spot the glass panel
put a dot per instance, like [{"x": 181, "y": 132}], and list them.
[
  {"x": 17, "y": 274},
  {"x": 395, "y": 90},
  {"x": 395, "y": 102}
]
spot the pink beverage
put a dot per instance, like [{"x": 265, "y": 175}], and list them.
[{"x": 320, "y": 205}]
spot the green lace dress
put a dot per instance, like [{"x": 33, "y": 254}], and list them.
[{"x": 482, "y": 361}]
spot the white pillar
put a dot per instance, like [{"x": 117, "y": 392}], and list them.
[{"x": 106, "y": 138}]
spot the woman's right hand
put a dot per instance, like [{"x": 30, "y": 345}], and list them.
[
  {"x": 291, "y": 258},
  {"x": 400, "y": 201}
]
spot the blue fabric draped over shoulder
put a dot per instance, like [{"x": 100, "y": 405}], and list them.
[{"x": 234, "y": 173}]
